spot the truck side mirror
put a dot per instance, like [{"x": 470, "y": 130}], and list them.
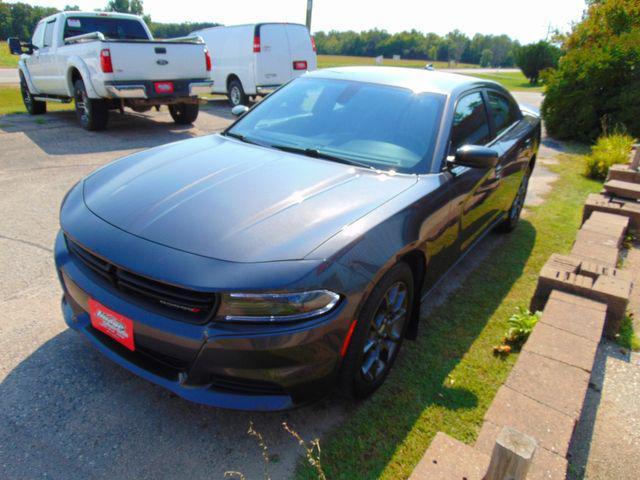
[{"x": 15, "y": 47}]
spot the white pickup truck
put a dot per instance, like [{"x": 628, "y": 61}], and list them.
[{"x": 108, "y": 61}]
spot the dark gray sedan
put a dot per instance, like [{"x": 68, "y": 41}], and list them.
[{"x": 263, "y": 266}]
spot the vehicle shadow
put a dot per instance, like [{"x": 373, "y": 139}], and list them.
[{"x": 58, "y": 133}]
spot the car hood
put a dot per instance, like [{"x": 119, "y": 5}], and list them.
[{"x": 223, "y": 199}]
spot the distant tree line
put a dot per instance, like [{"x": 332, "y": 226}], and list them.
[
  {"x": 487, "y": 50},
  {"x": 20, "y": 19}
]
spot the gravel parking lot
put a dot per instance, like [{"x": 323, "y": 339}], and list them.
[{"x": 65, "y": 411}]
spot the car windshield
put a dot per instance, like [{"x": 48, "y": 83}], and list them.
[
  {"x": 111, "y": 28},
  {"x": 379, "y": 126}
]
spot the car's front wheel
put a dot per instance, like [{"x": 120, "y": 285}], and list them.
[
  {"x": 184, "y": 113},
  {"x": 378, "y": 334},
  {"x": 33, "y": 106},
  {"x": 513, "y": 216}
]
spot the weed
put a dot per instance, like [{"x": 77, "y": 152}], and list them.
[
  {"x": 626, "y": 336},
  {"x": 312, "y": 451},
  {"x": 609, "y": 150}
]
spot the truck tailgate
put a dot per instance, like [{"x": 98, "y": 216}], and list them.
[{"x": 157, "y": 60}]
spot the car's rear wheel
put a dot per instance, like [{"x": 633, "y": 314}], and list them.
[
  {"x": 92, "y": 114},
  {"x": 378, "y": 334},
  {"x": 184, "y": 113},
  {"x": 513, "y": 216},
  {"x": 34, "y": 107},
  {"x": 236, "y": 94}
]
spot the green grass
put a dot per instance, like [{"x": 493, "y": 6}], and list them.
[
  {"x": 514, "y": 81},
  {"x": 11, "y": 102},
  {"x": 6, "y": 59},
  {"x": 327, "y": 61},
  {"x": 446, "y": 380},
  {"x": 627, "y": 337}
]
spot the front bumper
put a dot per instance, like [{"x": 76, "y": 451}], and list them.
[
  {"x": 145, "y": 89},
  {"x": 244, "y": 367}
]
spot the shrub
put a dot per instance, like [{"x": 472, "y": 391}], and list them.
[
  {"x": 536, "y": 57},
  {"x": 608, "y": 150},
  {"x": 597, "y": 82}
]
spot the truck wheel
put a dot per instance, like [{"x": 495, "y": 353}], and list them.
[
  {"x": 236, "y": 94},
  {"x": 34, "y": 107},
  {"x": 92, "y": 114},
  {"x": 184, "y": 113}
]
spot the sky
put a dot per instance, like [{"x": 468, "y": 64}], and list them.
[{"x": 524, "y": 20}]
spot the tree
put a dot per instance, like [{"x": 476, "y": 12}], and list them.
[
  {"x": 597, "y": 83},
  {"x": 125, "y": 6},
  {"x": 486, "y": 58},
  {"x": 536, "y": 57}
]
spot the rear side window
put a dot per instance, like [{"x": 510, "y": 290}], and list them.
[
  {"x": 111, "y": 28},
  {"x": 504, "y": 111},
  {"x": 470, "y": 122},
  {"x": 48, "y": 33}
]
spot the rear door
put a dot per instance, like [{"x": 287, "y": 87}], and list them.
[
  {"x": 273, "y": 61},
  {"x": 301, "y": 49}
]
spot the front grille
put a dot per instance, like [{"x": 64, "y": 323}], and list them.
[{"x": 175, "y": 302}]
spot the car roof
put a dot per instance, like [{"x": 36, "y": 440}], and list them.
[
  {"x": 73, "y": 13},
  {"x": 415, "y": 79}
]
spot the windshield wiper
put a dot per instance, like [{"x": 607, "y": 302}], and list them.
[
  {"x": 315, "y": 153},
  {"x": 242, "y": 138}
]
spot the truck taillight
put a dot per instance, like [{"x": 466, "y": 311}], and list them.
[
  {"x": 313, "y": 44},
  {"x": 105, "y": 61},
  {"x": 207, "y": 59},
  {"x": 300, "y": 65},
  {"x": 256, "y": 44}
]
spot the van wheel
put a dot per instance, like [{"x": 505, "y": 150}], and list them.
[
  {"x": 184, "y": 113},
  {"x": 34, "y": 107},
  {"x": 236, "y": 94},
  {"x": 378, "y": 334},
  {"x": 92, "y": 114}
]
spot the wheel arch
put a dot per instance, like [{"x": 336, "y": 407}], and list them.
[{"x": 76, "y": 69}]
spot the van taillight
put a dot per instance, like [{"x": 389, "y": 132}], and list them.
[
  {"x": 300, "y": 65},
  {"x": 105, "y": 61},
  {"x": 207, "y": 59},
  {"x": 256, "y": 44},
  {"x": 313, "y": 44}
]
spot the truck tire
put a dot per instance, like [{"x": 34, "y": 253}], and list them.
[
  {"x": 236, "y": 94},
  {"x": 92, "y": 114},
  {"x": 184, "y": 113},
  {"x": 34, "y": 107}
]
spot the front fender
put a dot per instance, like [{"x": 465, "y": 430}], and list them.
[
  {"x": 75, "y": 62},
  {"x": 22, "y": 67}
]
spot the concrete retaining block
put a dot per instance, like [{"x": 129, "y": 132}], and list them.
[
  {"x": 617, "y": 206},
  {"x": 622, "y": 189},
  {"x": 623, "y": 172}
]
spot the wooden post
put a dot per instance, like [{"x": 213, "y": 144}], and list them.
[
  {"x": 635, "y": 160},
  {"x": 512, "y": 456}
]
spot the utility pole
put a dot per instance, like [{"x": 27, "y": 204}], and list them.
[{"x": 309, "y": 9}]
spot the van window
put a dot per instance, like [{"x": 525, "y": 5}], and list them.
[
  {"x": 470, "y": 123},
  {"x": 48, "y": 33}
]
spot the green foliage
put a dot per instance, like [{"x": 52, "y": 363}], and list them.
[
  {"x": 597, "y": 83},
  {"x": 521, "y": 325},
  {"x": 125, "y": 6},
  {"x": 536, "y": 57},
  {"x": 171, "y": 30},
  {"x": 608, "y": 150},
  {"x": 626, "y": 336},
  {"x": 20, "y": 19},
  {"x": 486, "y": 58},
  {"x": 455, "y": 46}
]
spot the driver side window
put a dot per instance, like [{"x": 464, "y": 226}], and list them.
[
  {"x": 470, "y": 123},
  {"x": 37, "y": 35}
]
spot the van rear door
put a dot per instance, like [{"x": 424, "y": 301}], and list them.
[
  {"x": 300, "y": 48},
  {"x": 273, "y": 60}
]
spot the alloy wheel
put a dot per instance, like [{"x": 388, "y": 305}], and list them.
[{"x": 385, "y": 332}]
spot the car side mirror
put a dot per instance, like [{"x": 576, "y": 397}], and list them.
[
  {"x": 475, "y": 156},
  {"x": 239, "y": 110},
  {"x": 15, "y": 47}
]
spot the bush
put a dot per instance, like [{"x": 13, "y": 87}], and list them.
[
  {"x": 609, "y": 150},
  {"x": 536, "y": 57},
  {"x": 597, "y": 83}
]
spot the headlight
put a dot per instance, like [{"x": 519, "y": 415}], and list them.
[{"x": 277, "y": 307}]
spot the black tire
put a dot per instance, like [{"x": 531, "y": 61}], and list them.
[
  {"x": 236, "y": 94},
  {"x": 92, "y": 114},
  {"x": 513, "y": 215},
  {"x": 360, "y": 376},
  {"x": 34, "y": 107},
  {"x": 184, "y": 113}
]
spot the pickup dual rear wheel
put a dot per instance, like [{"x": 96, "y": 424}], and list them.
[
  {"x": 34, "y": 107},
  {"x": 91, "y": 113},
  {"x": 184, "y": 113}
]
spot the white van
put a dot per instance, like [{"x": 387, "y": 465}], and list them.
[{"x": 255, "y": 59}]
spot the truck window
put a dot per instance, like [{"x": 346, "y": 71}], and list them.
[
  {"x": 48, "y": 33},
  {"x": 37, "y": 35},
  {"x": 111, "y": 28}
]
